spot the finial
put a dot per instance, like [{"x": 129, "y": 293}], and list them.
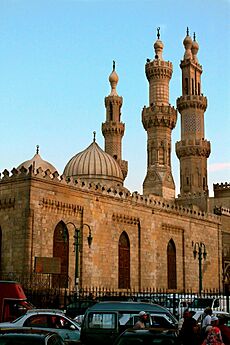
[
  {"x": 194, "y": 36},
  {"x": 187, "y": 31},
  {"x": 113, "y": 65},
  {"x": 37, "y": 149},
  {"x": 158, "y": 33},
  {"x": 94, "y": 136}
]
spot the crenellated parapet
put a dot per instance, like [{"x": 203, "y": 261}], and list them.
[
  {"x": 192, "y": 101},
  {"x": 159, "y": 116},
  {"x": 112, "y": 127},
  {"x": 193, "y": 147},
  {"x": 155, "y": 203},
  {"x": 158, "y": 69},
  {"x": 221, "y": 190}
]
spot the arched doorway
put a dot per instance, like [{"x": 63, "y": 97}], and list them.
[
  {"x": 124, "y": 262},
  {"x": 61, "y": 250},
  {"x": 171, "y": 265}
]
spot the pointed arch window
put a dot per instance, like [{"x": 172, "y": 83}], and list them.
[
  {"x": 61, "y": 250},
  {"x": 171, "y": 265},
  {"x": 124, "y": 262}
]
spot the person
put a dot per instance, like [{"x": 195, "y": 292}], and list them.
[
  {"x": 225, "y": 330},
  {"x": 181, "y": 321},
  {"x": 206, "y": 321},
  {"x": 141, "y": 323},
  {"x": 213, "y": 333},
  {"x": 188, "y": 334}
]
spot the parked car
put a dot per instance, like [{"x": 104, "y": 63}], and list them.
[
  {"x": 148, "y": 336},
  {"x": 104, "y": 321},
  {"x": 198, "y": 316},
  {"x": 28, "y": 336},
  {"x": 78, "y": 307},
  {"x": 200, "y": 303},
  {"x": 49, "y": 319}
]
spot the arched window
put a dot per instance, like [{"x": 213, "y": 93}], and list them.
[
  {"x": 124, "y": 262},
  {"x": 171, "y": 263},
  {"x": 61, "y": 250}
]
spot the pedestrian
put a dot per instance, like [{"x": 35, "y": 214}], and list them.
[
  {"x": 188, "y": 334},
  {"x": 141, "y": 323},
  {"x": 206, "y": 321},
  {"x": 225, "y": 330},
  {"x": 213, "y": 333}
]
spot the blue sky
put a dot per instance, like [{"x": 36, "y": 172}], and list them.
[{"x": 55, "y": 60}]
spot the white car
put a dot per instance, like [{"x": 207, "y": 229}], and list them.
[
  {"x": 198, "y": 316},
  {"x": 49, "y": 319}
]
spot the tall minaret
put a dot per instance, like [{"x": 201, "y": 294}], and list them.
[
  {"x": 193, "y": 150},
  {"x": 158, "y": 120},
  {"x": 113, "y": 129}
]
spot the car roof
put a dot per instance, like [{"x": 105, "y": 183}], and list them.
[
  {"x": 127, "y": 306},
  {"x": 49, "y": 311}
]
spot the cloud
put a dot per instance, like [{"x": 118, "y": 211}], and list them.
[{"x": 219, "y": 166}]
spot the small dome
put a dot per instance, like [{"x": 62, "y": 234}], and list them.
[
  {"x": 113, "y": 79},
  {"x": 187, "y": 42},
  {"x": 95, "y": 165},
  {"x": 158, "y": 45},
  {"x": 37, "y": 162}
]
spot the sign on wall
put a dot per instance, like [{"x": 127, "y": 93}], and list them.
[{"x": 47, "y": 265}]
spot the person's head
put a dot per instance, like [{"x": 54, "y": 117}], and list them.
[
  {"x": 143, "y": 316},
  {"x": 208, "y": 311}
]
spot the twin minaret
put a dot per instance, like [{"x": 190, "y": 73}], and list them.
[
  {"x": 193, "y": 150},
  {"x": 159, "y": 118}
]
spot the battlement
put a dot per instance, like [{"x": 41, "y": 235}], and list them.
[
  {"x": 221, "y": 186},
  {"x": 159, "y": 115},
  {"x": 118, "y": 192},
  {"x": 192, "y": 101}
]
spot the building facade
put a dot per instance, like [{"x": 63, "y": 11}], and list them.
[{"x": 84, "y": 228}]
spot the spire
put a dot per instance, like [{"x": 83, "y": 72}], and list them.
[
  {"x": 158, "y": 46},
  {"x": 113, "y": 79},
  {"x": 158, "y": 33},
  {"x": 37, "y": 149},
  {"x": 94, "y": 136},
  {"x": 187, "y": 45},
  {"x": 195, "y": 48}
]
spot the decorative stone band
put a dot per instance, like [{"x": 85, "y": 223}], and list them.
[
  {"x": 158, "y": 70},
  {"x": 160, "y": 116},
  {"x": 113, "y": 128},
  {"x": 183, "y": 149},
  {"x": 193, "y": 101}
]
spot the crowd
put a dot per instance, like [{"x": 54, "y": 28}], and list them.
[{"x": 211, "y": 331}]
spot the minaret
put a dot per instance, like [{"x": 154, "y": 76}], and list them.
[
  {"x": 113, "y": 129},
  {"x": 193, "y": 150},
  {"x": 158, "y": 119}
]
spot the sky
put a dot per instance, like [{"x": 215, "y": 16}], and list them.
[{"x": 55, "y": 60}]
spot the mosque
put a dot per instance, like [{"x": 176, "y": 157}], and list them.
[{"x": 123, "y": 239}]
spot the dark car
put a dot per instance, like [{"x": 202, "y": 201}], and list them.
[
  {"x": 24, "y": 336},
  {"x": 149, "y": 336},
  {"x": 104, "y": 321},
  {"x": 78, "y": 307}
]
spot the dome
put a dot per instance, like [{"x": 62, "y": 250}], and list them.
[
  {"x": 37, "y": 162},
  {"x": 95, "y": 165}
]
